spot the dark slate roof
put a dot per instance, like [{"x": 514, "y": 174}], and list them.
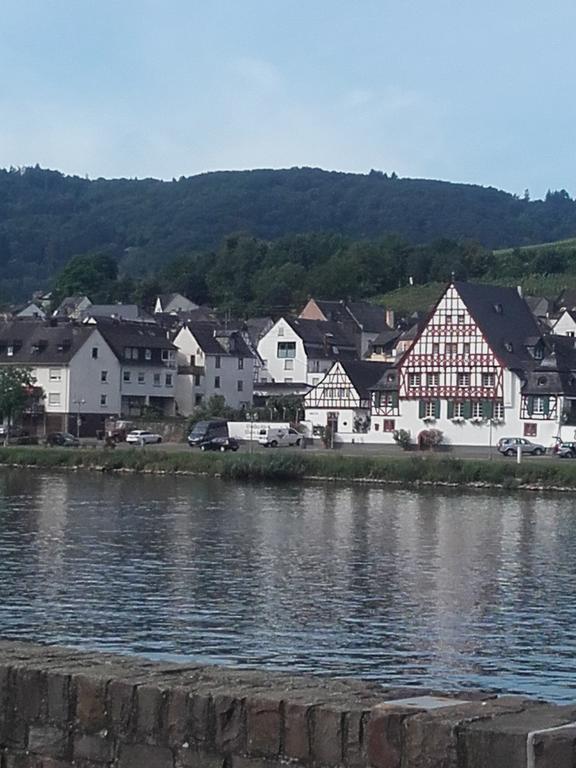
[
  {"x": 370, "y": 317},
  {"x": 505, "y": 320},
  {"x": 386, "y": 338},
  {"x": 212, "y": 340},
  {"x": 315, "y": 331},
  {"x": 120, "y": 334},
  {"x": 556, "y": 372},
  {"x": 123, "y": 311},
  {"x": 36, "y": 343},
  {"x": 566, "y": 300},
  {"x": 364, "y": 374}
]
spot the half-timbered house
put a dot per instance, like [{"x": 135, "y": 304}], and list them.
[
  {"x": 342, "y": 399},
  {"x": 469, "y": 373}
]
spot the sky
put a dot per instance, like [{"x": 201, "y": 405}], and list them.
[{"x": 475, "y": 91}]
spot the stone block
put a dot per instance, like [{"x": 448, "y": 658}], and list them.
[
  {"x": 120, "y": 698},
  {"x": 553, "y": 749},
  {"x": 90, "y": 703},
  {"x": 201, "y": 718},
  {"x": 176, "y": 722},
  {"x": 240, "y": 761},
  {"x": 195, "y": 757},
  {"x": 28, "y": 691},
  {"x": 149, "y": 713},
  {"x": 354, "y": 739},
  {"x": 230, "y": 723},
  {"x": 49, "y": 741},
  {"x": 501, "y": 742},
  {"x": 327, "y": 735},
  {"x": 93, "y": 748},
  {"x": 297, "y": 730},
  {"x": 384, "y": 734},
  {"x": 59, "y": 697},
  {"x": 263, "y": 726},
  {"x": 145, "y": 756}
]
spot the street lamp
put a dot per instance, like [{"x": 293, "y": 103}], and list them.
[{"x": 78, "y": 402}]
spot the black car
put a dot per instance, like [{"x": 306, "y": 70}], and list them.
[
  {"x": 220, "y": 444},
  {"x": 63, "y": 439},
  {"x": 203, "y": 431}
]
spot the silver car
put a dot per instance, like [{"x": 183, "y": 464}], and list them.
[{"x": 509, "y": 446}]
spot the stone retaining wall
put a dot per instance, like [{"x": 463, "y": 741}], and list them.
[{"x": 61, "y": 708}]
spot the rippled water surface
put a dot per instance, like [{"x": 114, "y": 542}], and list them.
[{"x": 412, "y": 588}]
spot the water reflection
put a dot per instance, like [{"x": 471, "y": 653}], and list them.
[{"x": 447, "y": 590}]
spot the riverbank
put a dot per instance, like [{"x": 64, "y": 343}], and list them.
[{"x": 294, "y": 466}]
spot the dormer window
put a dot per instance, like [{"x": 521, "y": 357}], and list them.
[
  {"x": 10, "y": 350},
  {"x": 538, "y": 353},
  {"x": 508, "y": 346},
  {"x": 542, "y": 381}
]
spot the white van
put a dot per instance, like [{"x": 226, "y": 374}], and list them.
[{"x": 272, "y": 437}]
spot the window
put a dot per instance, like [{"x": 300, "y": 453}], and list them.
[
  {"x": 54, "y": 398},
  {"x": 240, "y": 386},
  {"x": 197, "y": 399},
  {"x": 461, "y": 318},
  {"x": 570, "y": 333},
  {"x": 414, "y": 380},
  {"x": 499, "y": 410},
  {"x": 156, "y": 379},
  {"x": 433, "y": 379},
  {"x": 10, "y": 350},
  {"x": 55, "y": 374},
  {"x": 217, "y": 382},
  {"x": 286, "y": 349},
  {"x": 103, "y": 376},
  {"x": 141, "y": 378},
  {"x": 435, "y": 348},
  {"x": 169, "y": 380},
  {"x": 458, "y": 411},
  {"x": 476, "y": 409},
  {"x": 388, "y": 425},
  {"x": 429, "y": 409},
  {"x": 538, "y": 408},
  {"x": 280, "y": 330},
  {"x": 530, "y": 430},
  {"x": 167, "y": 355},
  {"x": 95, "y": 353},
  {"x": 126, "y": 376},
  {"x": 217, "y": 361},
  {"x": 103, "y": 400},
  {"x": 463, "y": 379},
  {"x": 240, "y": 363},
  {"x": 488, "y": 379},
  {"x": 197, "y": 380},
  {"x": 451, "y": 348},
  {"x": 288, "y": 381},
  {"x": 448, "y": 319},
  {"x": 147, "y": 354},
  {"x": 288, "y": 365},
  {"x": 466, "y": 348}
]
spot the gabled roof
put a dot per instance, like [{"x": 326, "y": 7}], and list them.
[
  {"x": 364, "y": 374},
  {"x": 212, "y": 340},
  {"x": 36, "y": 343},
  {"x": 120, "y": 334},
  {"x": 123, "y": 311},
  {"x": 505, "y": 320},
  {"x": 370, "y": 317}
]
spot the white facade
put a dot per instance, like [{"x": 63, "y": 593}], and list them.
[
  {"x": 284, "y": 358},
  {"x": 202, "y": 375},
  {"x": 565, "y": 325}
]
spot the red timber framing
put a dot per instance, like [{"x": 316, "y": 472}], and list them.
[
  {"x": 451, "y": 360},
  {"x": 335, "y": 391}
]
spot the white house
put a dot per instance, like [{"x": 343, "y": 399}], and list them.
[
  {"x": 479, "y": 369},
  {"x": 303, "y": 351},
  {"x": 566, "y": 324},
  {"x": 342, "y": 399},
  {"x": 33, "y": 310},
  {"x": 171, "y": 303},
  {"x": 212, "y": 361}
]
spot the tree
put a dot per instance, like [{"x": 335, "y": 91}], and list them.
[{"x": 15, "y": 388}]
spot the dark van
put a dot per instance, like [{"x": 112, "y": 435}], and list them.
[{"x": 206, "y": 430}]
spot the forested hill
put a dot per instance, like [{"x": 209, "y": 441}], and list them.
[{"x": 46, "y": 217}]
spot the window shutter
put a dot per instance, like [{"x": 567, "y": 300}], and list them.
[
  {"x": 530, "y": 405},
  {"x": 546, "y": 405},
  {"x": 487, "y": 409},
  {"x": 422, "y": 409},
  {"x": 450, "y": 409},
  {"x": 436, "y": 409},
  {"x": 394, "y": 399},
  {"x": 467, "y": 410}
]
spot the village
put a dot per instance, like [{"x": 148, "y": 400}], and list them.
[{"x": 485, "y": 363}]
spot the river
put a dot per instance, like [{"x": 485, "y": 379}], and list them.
[{"x": 431, "y": 588}]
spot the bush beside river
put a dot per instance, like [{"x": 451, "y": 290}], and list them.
[{"x": 286, "y": 466}]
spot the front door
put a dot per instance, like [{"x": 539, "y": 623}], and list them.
[{"x": 332, "y": 421}]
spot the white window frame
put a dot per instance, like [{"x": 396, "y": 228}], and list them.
[
  {"x": 430, "y": 409},
  {"x": 414, "y": 380},
  {"x": 289, "y": 364},
  {"x": 477, "y": 409},
  {"x": 55, "y": 374},
  {"x": 488, "y": 379},
  {"x": 103, "y": 401},
  {"x": 458, "y": 410},
  {"x": 498, "y": 410},
  {"x": 54, "y": 398},
  {"x": 538, "y": 406},
  {"x": 433, "y": 379},
  {"x": 463, "y": 378}
]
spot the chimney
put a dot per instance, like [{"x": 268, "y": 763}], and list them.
[{"x": 390, "y": 318}]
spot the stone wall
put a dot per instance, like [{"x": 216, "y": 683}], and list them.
[{"x": 61, "y": 708}]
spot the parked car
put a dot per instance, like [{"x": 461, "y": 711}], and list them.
[
  {"x": 12, "y": 432},
  {"x": 277, "y": 436},
  {"x": 220, "y": 444},
  {"x": 509, "y": 446},
  {"x": 566, "y": 451},
  {"x": 206, "y": 430},
  {"x": 142, "y": 437},
  {"x": 62, "y": 439}
]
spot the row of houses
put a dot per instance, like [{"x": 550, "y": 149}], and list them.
[{"x": 480, "y": 367}]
